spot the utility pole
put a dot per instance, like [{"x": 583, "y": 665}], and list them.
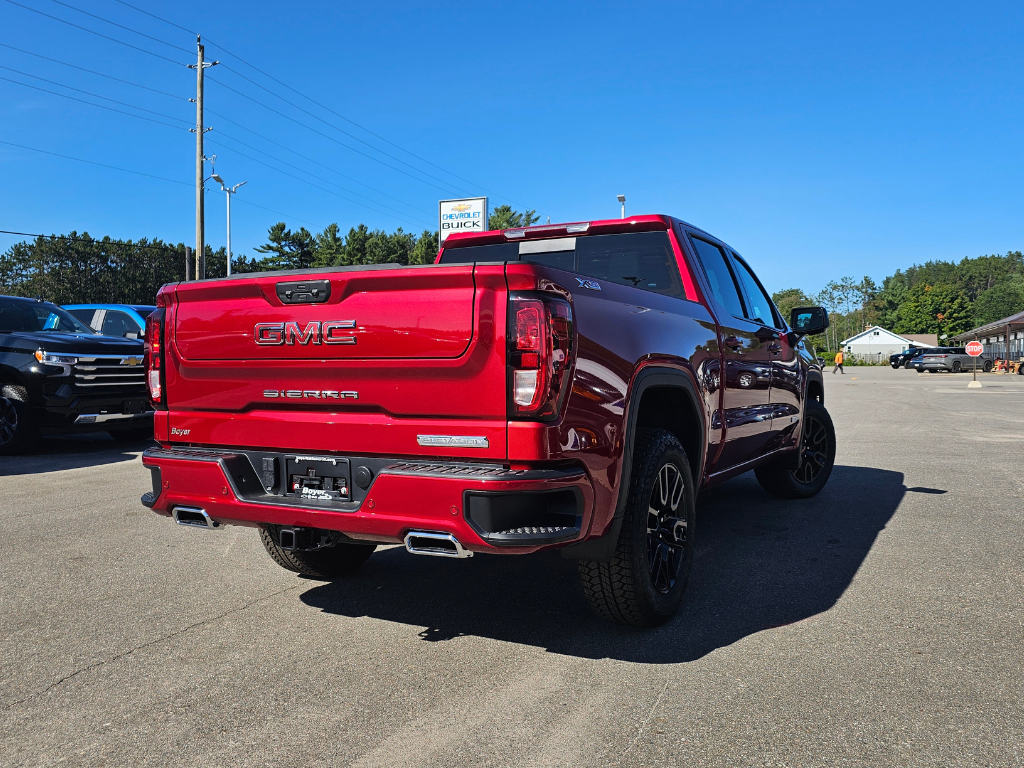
[{"x": 199, "y": 67}]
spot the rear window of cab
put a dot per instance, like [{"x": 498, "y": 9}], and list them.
[{"x": 642, "y": 260}]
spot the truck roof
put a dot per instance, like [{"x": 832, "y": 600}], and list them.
[{"x": 645, "y": 223}]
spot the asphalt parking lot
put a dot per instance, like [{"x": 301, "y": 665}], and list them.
[{"x": 881, "y": 623}]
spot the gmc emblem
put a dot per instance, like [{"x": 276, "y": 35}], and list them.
[{"x": 275, "y": 334}]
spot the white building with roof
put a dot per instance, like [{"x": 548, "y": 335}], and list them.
[{"x": 878, "y": 342}]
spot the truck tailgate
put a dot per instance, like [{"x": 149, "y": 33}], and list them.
[
  {"x": 397, "y": 314},
  {"x": 394, "y": 356}
]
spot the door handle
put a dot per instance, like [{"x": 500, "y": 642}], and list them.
[{"x": 733, "y": 342}]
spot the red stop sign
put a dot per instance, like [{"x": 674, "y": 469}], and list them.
[{"x": 975, "y": 348}]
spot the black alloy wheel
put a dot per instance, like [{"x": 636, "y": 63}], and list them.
[
  {"x": 956, "y": 366},
  {"x": 988, "y": 366},
  {"x": 8, "y": 421},
  {"x": 803, "y": 476},
  {"x": 814, "y": 451},
  {"x": 643, "y": 582},
  {"x": 666, "y": 530},
  {"x": 16, "y": 428}
]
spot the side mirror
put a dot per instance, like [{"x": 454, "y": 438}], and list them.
[{"x": 808, "y": 321}]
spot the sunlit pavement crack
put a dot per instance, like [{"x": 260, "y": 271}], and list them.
[{"x": 156, "y": 641}]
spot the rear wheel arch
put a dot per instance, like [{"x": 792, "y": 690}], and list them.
[
  {"x": 660, "y": 398},
  {"x": 672, "y": 408}
]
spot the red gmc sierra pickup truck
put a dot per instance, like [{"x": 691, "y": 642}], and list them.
[{"x": 565, "y": 386}]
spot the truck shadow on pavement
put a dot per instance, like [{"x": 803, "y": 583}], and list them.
[
  {"x": 761, "y": 563},
  {"x": 55, "y": 454}
]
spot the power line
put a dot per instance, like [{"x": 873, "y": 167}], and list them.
[
  {"x": 153, "y": 15},
  {"x": 101, "y": 106},
  {"x": 346, "y": 119},
  {"x": 94, "y": 95},
  {"x": 93, "y": 162},
  {"x": 314, "y": 101},
  {"x": 271, "y": 210},
  {"x": 93, "y": 240},
  {"x": 292, "y": 104},
  {"x": 136, "y": 173},
  {"x": 329, "y": 138},
  {"x": 221, "y": 136},
  {"x": 265, "y": 74},
  {"x": 122, "y": 26},
  {"x": 304, "y": 157},
  {"x": 239, "y": 74},
  {"x": 94, "y": 32},
  {"x": 331, "y": 125},
  {"x": 403, "y": 216},
  {"x": 94, "y": 72}
]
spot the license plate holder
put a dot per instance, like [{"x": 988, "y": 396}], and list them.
[{"x": 318, "y": 478}]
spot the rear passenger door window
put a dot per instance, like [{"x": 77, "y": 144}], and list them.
[
  {"x": 719, "y": 275},
  {"x": 759, "y": 306},
  {"x": 642, "y": 260}
]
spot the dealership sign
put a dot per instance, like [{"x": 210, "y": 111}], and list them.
[{"x": 469, "y": 215}]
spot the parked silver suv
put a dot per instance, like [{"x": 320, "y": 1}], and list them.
[{"x": 953, "y": 360}]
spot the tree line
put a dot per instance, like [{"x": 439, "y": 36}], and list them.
[
  {"x": 79, "y": 269},
  {"x": 940, "y": 297}
]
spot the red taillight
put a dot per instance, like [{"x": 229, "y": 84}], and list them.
[
  {"x": 528, "y": 326},
  {"x": 154, "y": 357},
  {"x": 540, "y": 354}
]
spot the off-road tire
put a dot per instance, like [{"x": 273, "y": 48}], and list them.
[
  {"x": 132, "y": 435},
  {"x": 17, "y": 428},
  {"x": 818, "y": 451},
  {"x": 328, "y": 563},
  {"x": 624, "y": 589}
]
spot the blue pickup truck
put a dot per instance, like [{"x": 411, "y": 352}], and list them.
[{"x": 128, "y": 321}]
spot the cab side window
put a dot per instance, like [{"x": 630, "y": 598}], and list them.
[
  {"x": 642, "y": 260},
  {"x": 759, "y": 306},
  {"x": 85, "y": 315},
  {"x": 118, "y": 324},
  {"x": 719, "y": 275}
]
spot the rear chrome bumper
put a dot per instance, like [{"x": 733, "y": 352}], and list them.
[
  {"x": 100, "y": 418},
  {"x": 486, "y": 507}
]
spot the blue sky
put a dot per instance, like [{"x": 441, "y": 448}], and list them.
[{"x": 819, "y": 139}]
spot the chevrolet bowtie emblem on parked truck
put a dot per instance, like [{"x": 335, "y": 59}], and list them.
[{"x": 329, "y": 332}]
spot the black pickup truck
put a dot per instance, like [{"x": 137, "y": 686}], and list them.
[{"x": 58, "y": 376}]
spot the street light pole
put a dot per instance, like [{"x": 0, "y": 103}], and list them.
[
  {"x": 622, "y": 199},
  {"x": 228, "y": 193}
]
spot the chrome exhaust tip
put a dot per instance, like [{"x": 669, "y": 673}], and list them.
[
  {"x": 194, "y": 517},
  {"x": 435, "y": 544}
]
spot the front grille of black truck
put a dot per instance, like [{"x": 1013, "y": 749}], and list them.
[{"x": 120, "y": 373}]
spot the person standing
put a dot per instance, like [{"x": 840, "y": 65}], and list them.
[{"x": 839, "y": 363}]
